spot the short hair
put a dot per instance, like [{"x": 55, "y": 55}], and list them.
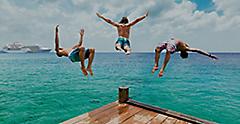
[
  {"x": 124, "y": 20},
  {"x": 184, "y": 54}
]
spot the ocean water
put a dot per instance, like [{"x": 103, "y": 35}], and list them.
[{"x": 41, "y": 88}]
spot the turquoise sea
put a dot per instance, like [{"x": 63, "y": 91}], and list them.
[{"x": 44, "y": 89}]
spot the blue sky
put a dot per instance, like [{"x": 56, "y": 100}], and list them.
[
  {"x": 202, "y": 5},
  {"x": 212, "y": 25}
]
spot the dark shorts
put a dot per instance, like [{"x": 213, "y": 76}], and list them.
[
  {"x": 74, "y": 55},
  {"x": 123, "y": 42}
]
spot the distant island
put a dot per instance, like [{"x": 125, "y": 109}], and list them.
[{"x": 17, "y": 47}]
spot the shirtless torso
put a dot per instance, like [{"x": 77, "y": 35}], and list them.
[
  {"x": 77, "y": 53},
  {"x": 172, "y": 46},
  {"x": 123, "y": 29}
]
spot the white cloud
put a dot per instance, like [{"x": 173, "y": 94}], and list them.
[
  {"x": 166, "y": 19},
  {"x": 231, "y": 10}
]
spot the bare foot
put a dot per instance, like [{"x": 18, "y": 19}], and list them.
[
  {"x": 154, "y": 69},
  {"x": 90, "y": 71},
  {"x": 84, "y": 71},
  {"x": 160, "y": 74},
  {"x": 127, "y": 53}
]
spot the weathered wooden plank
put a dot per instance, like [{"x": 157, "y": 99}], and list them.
[
  {"x": 120, "y": 115},
  {"x": 158, "y": 119},
  {"x": 170, "y": 113},
  {"x": 97, "y": 117},
  {"x": 141, "y": 117},
  {"x": 120, "y": 108},
  {"x": 91, "y": 114},
  {"x": 169, "y": 120}
]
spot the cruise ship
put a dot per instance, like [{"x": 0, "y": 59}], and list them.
[{"x": 18, "y": 47}]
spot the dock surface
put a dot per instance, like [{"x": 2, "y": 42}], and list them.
[
  {"x": 128, "y": 111},
  {"x": 115, "y": 113}
]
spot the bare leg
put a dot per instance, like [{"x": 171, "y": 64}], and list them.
[
  {"x": 157, "y": 56},
  {"x": 167, "y": 57},
  {"x": 81, "y": 55},
  {"x": 80, "y": 41},
  {"x": 118, "y": 46},
  {"x": 90, "y": 60},
  {"x": 127, "y": 49}
]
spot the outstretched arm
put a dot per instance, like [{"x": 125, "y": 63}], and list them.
[
  {"x": 138, "y": 20},
  {"x": 202, "y": 52},
  {"x": 80, "y": 43},
  {"x": 56, "y": 39},
  {"x": 107, "y": 20},
  {"x": 81, "y": 37}
]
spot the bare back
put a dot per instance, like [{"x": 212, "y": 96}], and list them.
[
  {"x": 123, "y": 30},
  {"x": 181, "y": 46}
]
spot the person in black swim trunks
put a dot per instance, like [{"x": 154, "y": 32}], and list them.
[
  {"x": 77, "y": 53},
  {"x": 174, "y": 45}
]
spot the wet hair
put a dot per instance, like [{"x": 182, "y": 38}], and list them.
[
  {"x": 184, "y": 54},
  {"x": 124, "y": 20}
]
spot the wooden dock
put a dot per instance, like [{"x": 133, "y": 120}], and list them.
[{"x": 128, "y": 111}]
